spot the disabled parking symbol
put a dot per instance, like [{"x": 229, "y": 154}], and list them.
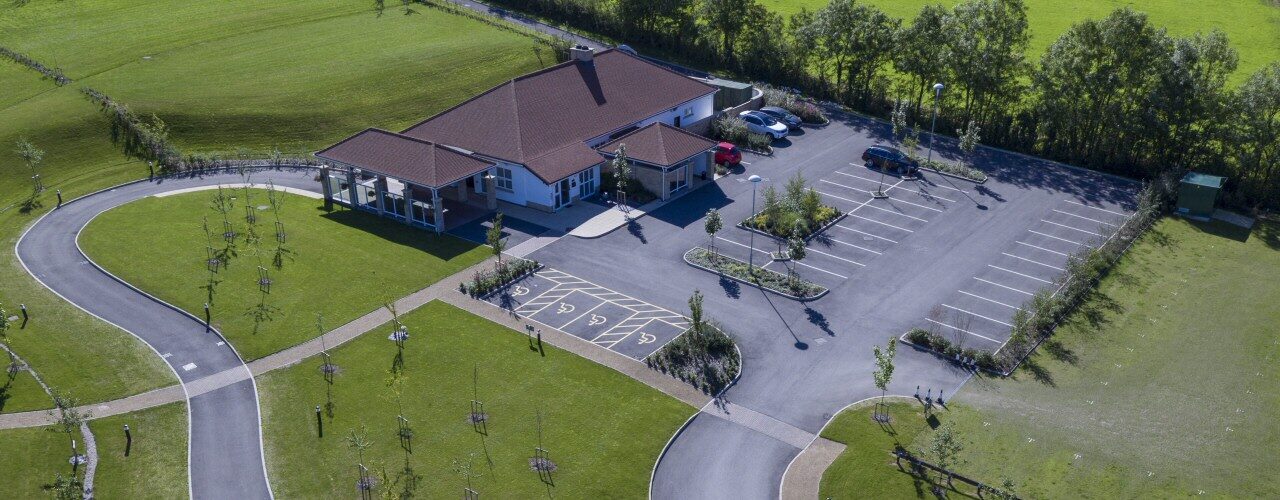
[
  {"x": 565, "y": 307},
  {"x": 646, "y": 338},
  {"x": 519, "y": 290},
  {"x": 597, "y": 319}
]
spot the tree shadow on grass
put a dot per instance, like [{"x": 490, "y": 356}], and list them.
[
  {"x": 1060, "y": 352},
  {"x": 442, "y": 246},
  {"x": 1038, "y": 372}
]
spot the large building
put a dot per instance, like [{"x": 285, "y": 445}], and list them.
[{"x": 538, "y": 140}]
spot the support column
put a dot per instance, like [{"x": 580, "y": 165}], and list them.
[
  {"x": 462, "y": 190},
  {"x": 666, "y": 188},
  {"x": 437, "y": 209},
  {"x": 326, "y": 188},
  {"x": 408, "y": 203},
  {"x": 490, "y": 192},
  {"x": 380, "y": 184},
  {"x": 352, "y": 188}
]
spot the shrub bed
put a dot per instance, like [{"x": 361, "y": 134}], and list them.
[
  {"x": 796, "y": 212},
  {"x": 793, "y": 102},
  {"x": 733, "y": 129},
  {"x": 943, "y": 347},
  {"x": 956, "y": 169},
  {"x": 705, "y": 357},
  {"x": 486, "y": 281},
  {"x": 637, "y": 194},
  {"x": 789, "y": 286}
]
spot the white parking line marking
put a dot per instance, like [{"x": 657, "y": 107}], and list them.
[
  {"x": 963, "y": 330},
  {"x": 820, "y": 252},
  {"x": 921, "y": 193},
  {"x": 869, "y": 192},
  {"x": 855, "y": 246},
  {"x": 188, "y": 367},
  {"x": 847, "y": 228},
  {"x": 1085, "y": 218},
  {"x": 1071, "y": 228},
  {"x": 588, "y": 311},
  {"x": 220, "y": 344},
  {"x": 1002, "y": 286},
  {"x": 860, "y": 203},
  {"x": 1019, "y": 274},
  {"x": 976, "y": 296},
  {"x": 971, "y": 313},
  {"x": 1042, "y": 248},
  {"x": 881, "y": 223},
  {"x": 1057, "y": 238},
  {"x": 1096, "y": 208},
  {"x": 895, "y": 212},
  {"x": 1032, "y": 261},
  {"x": 800, "y": 263}
]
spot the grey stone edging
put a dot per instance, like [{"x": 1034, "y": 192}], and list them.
[{"x": 685, "y": 258}]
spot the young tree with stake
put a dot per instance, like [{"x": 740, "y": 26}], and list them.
[
  {"x": 32, "y": 156},
  {"x": 883, "y": 373},
  {"x": 713, "y": 225},
  {"x": 621, "y": 166},
  {"x": 493, "y": 237}
]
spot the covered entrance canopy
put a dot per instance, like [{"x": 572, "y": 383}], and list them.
[{"x": 405, "y": 178}]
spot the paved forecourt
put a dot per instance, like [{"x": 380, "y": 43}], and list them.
[{"x": 599, "y": 315}]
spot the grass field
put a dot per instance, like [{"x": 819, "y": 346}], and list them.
[
  {"x": 32, "y": 458},
  {"x": 157, "y": 463},
  {"x": 343, "y": 263},
  {"x": 19, "y": 392},
  {"x": 1253, "y": 26},
  {"x": 604, "y": 430},
  {"x": 226, "y": 76},
  {"x": 1164, "y": 385}
]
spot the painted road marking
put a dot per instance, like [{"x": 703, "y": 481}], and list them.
[
  {"x": 1083, "y": 217},
  {"x": 975, "y": 314},
  {"x": 976, "y": 296},
  {"x": 833, "y": 240},
  {"x": 166, "y": 355},
  {"x": 799, "y": 263},
  {"x": 588, "y": 311},
  {"x": 869, "y": 192},
  {"x": 1032, "y": 261},
  {"x": 921, "y": 193},
  {"x": 895, "y": 212},
  {"x": 220, "y": 343},
  {"x": 1071, "y": 228},
  {"x": 188, "y": 367},
  {"x": 847, "y": 228},
  {"x": 964, "y": 331},
  {"x": 1096, "y": 208},
  {"x": 1002, "y": 286},
  {"x": 1057, "y": 238},
  {"x": 881, "y": 223},
  {"x": 1019, "y": 274},
  {"x": 1041, "y": 248},
  {"x": 820, "y": 252}
]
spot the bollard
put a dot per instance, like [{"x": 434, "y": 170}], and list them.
[
  {"x": 128, "y": 440},
  {"x": 319, "y": 423},
  {"x": 917, "y": 392},
  {"x": 59, "y": 193},
  {"x": 23, "y": 307}
]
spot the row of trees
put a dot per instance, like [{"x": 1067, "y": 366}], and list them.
[{"x": 1117, "y": 94}]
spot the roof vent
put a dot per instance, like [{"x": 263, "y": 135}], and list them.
[{"x": 581, "y": 53}]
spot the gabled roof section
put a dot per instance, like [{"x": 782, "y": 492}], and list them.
[
  {"x": 659, "y": 144},
  {"x": 538, "y": 116},
  {"x": 414, "y": 160}
]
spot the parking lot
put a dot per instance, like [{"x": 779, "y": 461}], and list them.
[
  {"x": 979, "y": 314},
  {"x": 599, "y": 315}
]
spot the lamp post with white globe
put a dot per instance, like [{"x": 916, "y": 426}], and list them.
[
  {"x": 751, "y": 255},
  {"x": 937, "y": 94}
]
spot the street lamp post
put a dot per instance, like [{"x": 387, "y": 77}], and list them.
[
  {"x": 937, "y": 93},
  {"x": 751, "y": 255}
]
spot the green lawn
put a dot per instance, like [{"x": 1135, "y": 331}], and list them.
[
  {"x": 604, "y": 430},
  {"x": 867, "y": 468},
  {"x": 1163, "y": 385},
  {"x": 1253, "y": 26},
  {"x": 157, "y": 463},
  {"x": 31, "y": 460},
  {"x": 20, "y": 392},
  {"x": 343, "y": 263}
]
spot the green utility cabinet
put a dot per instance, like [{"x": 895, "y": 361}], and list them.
[{"x": 1198, "y": 193}]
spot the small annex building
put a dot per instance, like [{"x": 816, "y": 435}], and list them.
[
  {"x": 1198, "y": 193},
  {"x": 538, "y": 140}
]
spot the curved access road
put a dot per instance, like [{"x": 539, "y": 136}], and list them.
[{"x": 225, "y": 458}]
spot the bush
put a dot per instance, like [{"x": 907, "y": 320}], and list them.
[
  {"x": 799, "y": 204},
  {"x": 705, "y": 358},
  {"x": 637, "y": 194},
  {"x": 764, "y": 278},
  {"x": 956, "y": 169},
  {"x": 791, "y": 101},
  {"x": 486, "y": 281},
  {"x": 733, "y": 129}
]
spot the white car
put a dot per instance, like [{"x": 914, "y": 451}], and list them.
[{"x": 760, "y": 123}]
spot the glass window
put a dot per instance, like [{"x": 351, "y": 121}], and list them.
[{"x": 504, "y": 179}]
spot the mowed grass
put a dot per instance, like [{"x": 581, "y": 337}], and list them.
[
  {"x": 32, "y": 459},
  {"x": 1253, "y": 26},
  {"x": 867, "y": 468},
  {"x": 343, "y": 263},
  {"x": 242, "y": 77},
  {"x": 604, "y": 430},
  {"x": 157, "y": 463},
  {"x": 1164, "y": 385},
  {"x": 20, "y": 392}
]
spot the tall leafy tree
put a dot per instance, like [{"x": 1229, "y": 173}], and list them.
[
  {"x": 727, "y": 19},
  {"x": 1190, "y": 99},
  {"x": 1257, "y": 132},
  {"x": 922, "y": 50},
  {"x": 986, "y": 43}
]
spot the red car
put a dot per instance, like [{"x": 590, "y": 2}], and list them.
[{"x": 727, "y": 154}]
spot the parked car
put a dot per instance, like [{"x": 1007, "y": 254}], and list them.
[
  {"x": 727, "y": 154},
  {"x": 760, "y": 123},
  {"x": 783, "y": 116},
  {"x": 889, "y": 159}
]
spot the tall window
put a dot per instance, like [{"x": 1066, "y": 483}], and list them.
[{"x": 503, "y": 179}]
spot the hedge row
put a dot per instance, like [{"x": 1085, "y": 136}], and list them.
[{"x": 54, "y": 74}]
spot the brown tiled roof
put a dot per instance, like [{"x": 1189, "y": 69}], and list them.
[
  {"x": 659, "y": 144},
  {"x": 415, "y": 160},
  {"x": 541, "y": 119}
]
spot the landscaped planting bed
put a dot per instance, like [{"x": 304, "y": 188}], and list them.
[
  {"x": 797, "y": 212},
  {"x": 788, "y": 286},
  {"x": 956, "y": 169},
  {"x": 504, "y": 273}
]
